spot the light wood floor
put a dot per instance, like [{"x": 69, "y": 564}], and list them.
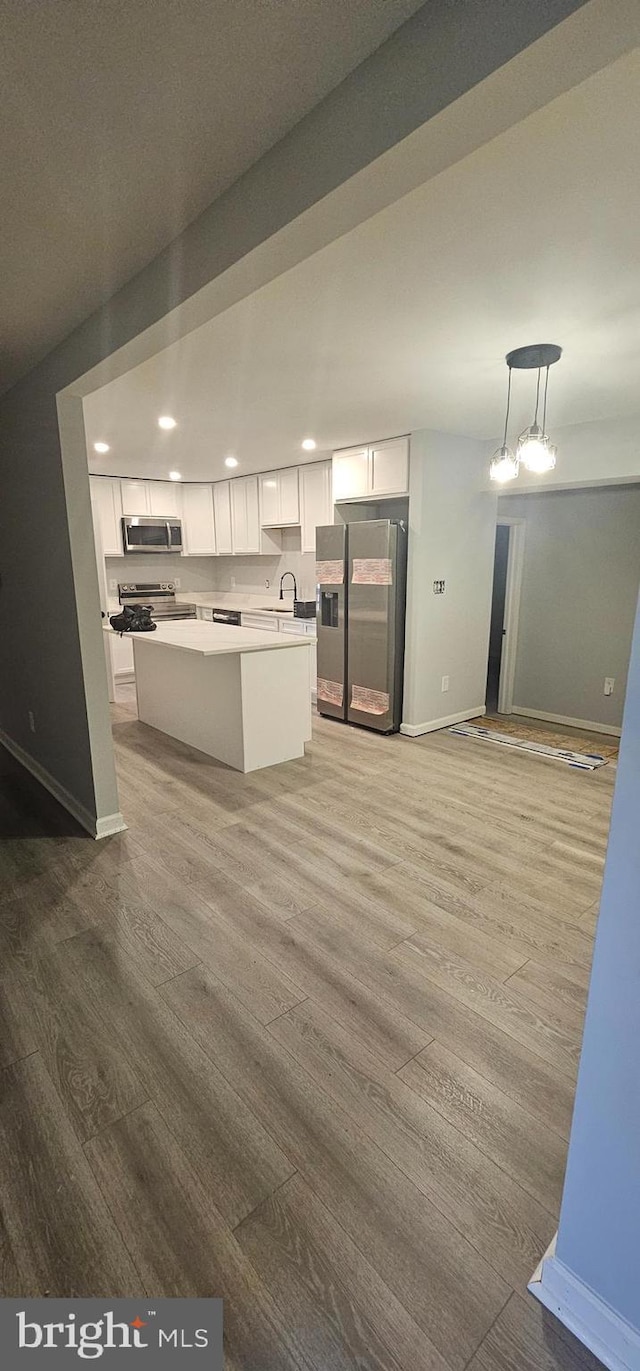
[{"x": 306, "y": 1039}]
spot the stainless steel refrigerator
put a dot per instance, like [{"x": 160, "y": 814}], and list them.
[{"x": 361, "y": 573}]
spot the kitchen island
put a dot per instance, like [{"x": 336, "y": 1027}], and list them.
[{"x": 239, "y": 695}]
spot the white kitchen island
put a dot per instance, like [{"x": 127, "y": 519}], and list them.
[{"x": 238, "y": 694}]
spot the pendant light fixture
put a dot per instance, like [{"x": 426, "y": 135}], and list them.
[
  {"x": 534, "y": 451},
  {"x": 504, "y": 465}
]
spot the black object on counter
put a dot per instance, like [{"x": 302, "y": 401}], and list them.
[
  {"x": 133, "y": 619},
  {"x": 304, "y": 609}
]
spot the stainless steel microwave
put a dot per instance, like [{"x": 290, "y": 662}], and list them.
[{"x": 149, "y": 533}]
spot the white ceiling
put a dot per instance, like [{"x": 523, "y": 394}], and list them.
[
  {"x": 123, "y": 119},
  {"x": 404, "y": 322}
]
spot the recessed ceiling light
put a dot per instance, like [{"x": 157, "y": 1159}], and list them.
[
  {"x": 175, "y": 476},
  {"x": 231, "y": 461},
  {"x": 309, "y": 444},
  {"x": 101, "y": 447},
  {"x": 165, "y": 421}
]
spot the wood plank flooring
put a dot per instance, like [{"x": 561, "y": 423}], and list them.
[{"x": 306, "y": 1039}]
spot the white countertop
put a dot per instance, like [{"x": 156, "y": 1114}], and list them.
[
  {"x": 210, "y": 640},
  {"x": 234, "y": 599}
]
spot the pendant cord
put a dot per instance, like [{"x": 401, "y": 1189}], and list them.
[
  {"x": 544, "y": 403},
  {"x": 506, "y": 417},
  {"x": 535, "y": 417}
]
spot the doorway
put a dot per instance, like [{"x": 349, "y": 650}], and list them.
[
  {"x": 498, "y": 606},
  {"x": 505, "y": 605}
]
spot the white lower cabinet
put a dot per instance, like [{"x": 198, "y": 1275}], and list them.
[
  {"x": 121, "y": 648},
  {"x": 267, "y": 623},
  {"x": 198, "y": 527},
  {"x": 305, "y": 628}
]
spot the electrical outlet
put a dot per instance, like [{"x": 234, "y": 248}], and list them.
[
  {"x": 609, "y": 682},
  {"x": 32, "y": 720},
  {"x": 445, "y": 684},
  {"x": 113, "y": 585},
  {"x": 267, "y": 584},
  {"x": 177, "y": 582},
  {"x": 232, "y": 580},
  {"x": 438, "y": 587}
]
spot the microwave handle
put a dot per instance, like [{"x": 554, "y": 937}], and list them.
[{"x": 168, "y": 528}]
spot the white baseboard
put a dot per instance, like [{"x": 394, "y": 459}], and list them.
[
  {"x": 97, "y": 828},
  {"x": 124, "y": 677},
  {"x": 416, "y": 730},
  {"x": 584, "y": 1313},
  {"x": 587, "y": 724}
]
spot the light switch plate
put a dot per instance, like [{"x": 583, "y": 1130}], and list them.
[{"x": 609, "y": 682}]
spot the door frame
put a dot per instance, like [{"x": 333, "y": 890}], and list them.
[{"x": 515, "y": 570}]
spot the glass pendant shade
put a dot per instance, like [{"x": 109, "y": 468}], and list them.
[
  {"x": 504, "y": 465},
  {"x": 535, "y": 451}
]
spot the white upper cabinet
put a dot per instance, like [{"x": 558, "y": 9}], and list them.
[
  {"x": 279, "y": 498},
  {"x": 351, "y": 473},
  {"x": 389, "y": 467},
  {"x": 376, "y": 471},
  {"x": 245, "y": 522},
  {"x": 316, "y": 505},
  {"x": 198, "y": 528},
  {"x": 222, "y": 518},
  {"x": 107, "y": 504},
  {"x": 165, "y": 499},
  {"x": 135, "y": 497}
]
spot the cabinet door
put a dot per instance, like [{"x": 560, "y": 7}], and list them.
[
  {"x": 222, "y": 518},
  {"x": 105, "y": 498},
  {"x": 269, "y": 500},
  {"x": 245, "y": 518},
  {"x": 198, "y": 527},
  {"x": 351, "y": 473},
  {"x": 316, "y": 506},
  {"x": 289, "y": 496},
  {"x": 165, "y": 499},
  {"x": 135, "y": 497},
  {"x": 253, "y": 513},
  {"x": 389, "y": 467},
  {"x": 266, "y": 623},
  {"x": 239, "y": 535}
]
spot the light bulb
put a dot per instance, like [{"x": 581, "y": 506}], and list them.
[
  {"x": 535, "y": 451},
  {"x": 175, "y": 476},
  {"x": 309, "y": 444},
  {"x": 231, "y": 461},
  {"x": 166, "y": 421},
  {"x": 504, "y": 465},
  {"x": 101, "y": 447}
]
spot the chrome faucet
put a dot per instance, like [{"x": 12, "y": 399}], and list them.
[{"x": 295, "y": 588}]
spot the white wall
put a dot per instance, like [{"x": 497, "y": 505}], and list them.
[
  {"x": 452, "y": 521},
  {"x": 599, "y": 1234},
  {"x": 596, "y": 454}
]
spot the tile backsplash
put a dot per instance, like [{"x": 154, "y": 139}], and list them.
[{"x": 201, "y": 574}]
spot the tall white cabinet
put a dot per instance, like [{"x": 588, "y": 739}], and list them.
[
  {"x": 107, "y": 506},
  {"x": 245, "y": 519},
  {"x": 198, "y": 520},
  {"x": 316, "y": 503}
]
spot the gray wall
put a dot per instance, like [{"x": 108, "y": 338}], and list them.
[
  {"x": 52, "y": 656},
  {"x": 579, "y": 594}
]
